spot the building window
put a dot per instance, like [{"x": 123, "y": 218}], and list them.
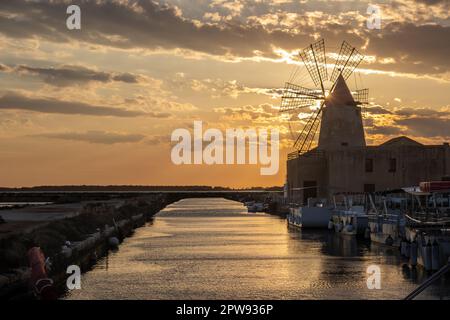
[
  {"x": 392, "y": 165},
  {"x": 369, "y": 187},
  {"x": 369, "y": 165}
]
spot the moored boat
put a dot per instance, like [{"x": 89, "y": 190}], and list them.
[
  {"x": 315, "y": 215},
  {"x": 253, "y": 206},
  {"x": 387, "y": 218},
  {"x": 427, "y": 229},
  {"x": 349, "y": 217}
]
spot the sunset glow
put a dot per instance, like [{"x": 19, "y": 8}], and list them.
[{"x": 79, "y": 105}]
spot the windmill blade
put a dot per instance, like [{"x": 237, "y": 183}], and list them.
[
  {"x": 306, "y": 137},
  {"x": 297, "y": 97},
  {"x": 313, "y": 133},
  {"x": 314, "y": 59},
  {"x": 349, "y": 58},
  {"x": 304, "y": 133},
  {"x": 361, "y": 96},
  {"x": 288, "y": 105},
  {"x": 295, "y": 123},
  {"x": 292, "y": 90},
  {"x": 291, "y": 131}
]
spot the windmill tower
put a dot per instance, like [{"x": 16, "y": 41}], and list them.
[{"x": 335, "y": 110}]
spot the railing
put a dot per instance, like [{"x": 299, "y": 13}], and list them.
[
  {"x": 385, "y": 218},
  {"x": 311, "y": 153},
  {"x": 440, "y": 273},
  {"x": 424, "y": 221},
  {"x": 293, "y": 155}
]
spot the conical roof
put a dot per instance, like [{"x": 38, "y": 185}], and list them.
[{"x": 340, "y": 95}]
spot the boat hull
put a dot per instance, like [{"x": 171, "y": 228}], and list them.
[
  {"x": 385, "y": 233},
  {"x": 382, "y": 238},
  {"x": 350, "y": 225},
  {"x": 309, "y": 217}
]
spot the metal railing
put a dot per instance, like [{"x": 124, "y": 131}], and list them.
[
  {"x": 293, "y": 155},
  {"x": 440, "y": 273},
  {"x": 311, "y": 153}
]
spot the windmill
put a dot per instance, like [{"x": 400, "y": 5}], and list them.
[{"x": 296, "y": 98}]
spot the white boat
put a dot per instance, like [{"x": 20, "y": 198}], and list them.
[
  {"x": 315, "y": 215},
  {"x": 349, "y": 217},
  {"x": 387, "y": 218},
  {"x": 253, "y": 206},
  {"x": 427, "y": 230}
]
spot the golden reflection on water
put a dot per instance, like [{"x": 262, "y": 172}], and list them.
[{"x": 214, "y": 249}]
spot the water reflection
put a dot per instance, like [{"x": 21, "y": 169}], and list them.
[{"x": 214, "y": 249}]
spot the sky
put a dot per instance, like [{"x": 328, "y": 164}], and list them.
[{"x": 98, "y": 105}]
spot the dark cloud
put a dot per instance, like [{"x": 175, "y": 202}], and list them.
[
  {"x": 69, "y": 75},
  {"x": 95, "y": 137},
  {"x": 47, "y": 105},
  {"x": 384, "y": 130},
  {"x": 426, "y": 126},
  {"x": 424, "y": 112},
  {"x": 146, "y": 24},
  {"x": 376, "y": 110},
  {"x": 156, "y": 140},
  {"x": 433, "y": 2},
  {"x": 143, "y": 25},
  {"x": 416, "y": 49},
  {"x": 126, "y": 77},
  {"x": 416, "y": 122}
]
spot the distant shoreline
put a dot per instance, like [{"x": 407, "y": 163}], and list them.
[{"x": 132, "y": 188}]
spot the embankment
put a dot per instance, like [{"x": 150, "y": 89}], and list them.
[{"x": 78, "y": 240}]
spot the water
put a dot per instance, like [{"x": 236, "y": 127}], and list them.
[
  {"x": 214, "y": 249},
  {"x": 20, "y": 204}
]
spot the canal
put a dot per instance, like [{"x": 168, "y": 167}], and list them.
[{"x": 213, "y": 249}]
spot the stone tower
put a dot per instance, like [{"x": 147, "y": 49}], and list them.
[{"x": 341, "y": 124}]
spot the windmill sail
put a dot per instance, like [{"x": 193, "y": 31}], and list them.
[
  {"x": 306, "y": 137},
  {"x": 315, "y": 61},
  {"x": 362, "y": 96},
  {"x": 349, "y": 58},
  {"x": 296, "y": 97}
]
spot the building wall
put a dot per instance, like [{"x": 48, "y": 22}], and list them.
[
  {"x": 345, "y": 170},
  {"x": 447, "y": 158},
  {"x": 306, "y": 168}
]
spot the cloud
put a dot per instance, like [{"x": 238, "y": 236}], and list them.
[
  {"x": 263, "y": 113},
  {"x": 256, "y": 30},
  {"x": 423, "y": 112},
  {"x": 432, "y": 2},
  {"x": 385, "y": 130},
  {"x": 415, "y": 122},
  {"x": 426, "y": 126},
  {"x": 47, "y": 105},
  {"x": 376, "y": 110},
  {"x": 101, "y": 137},
  {"x": 219, "y": 88},
  {"x": 70, "y": 75},
  {"x": 415, "y": 48},
  {"x": 156, "y": 140},
  {"x": 141, "y": 24}
]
